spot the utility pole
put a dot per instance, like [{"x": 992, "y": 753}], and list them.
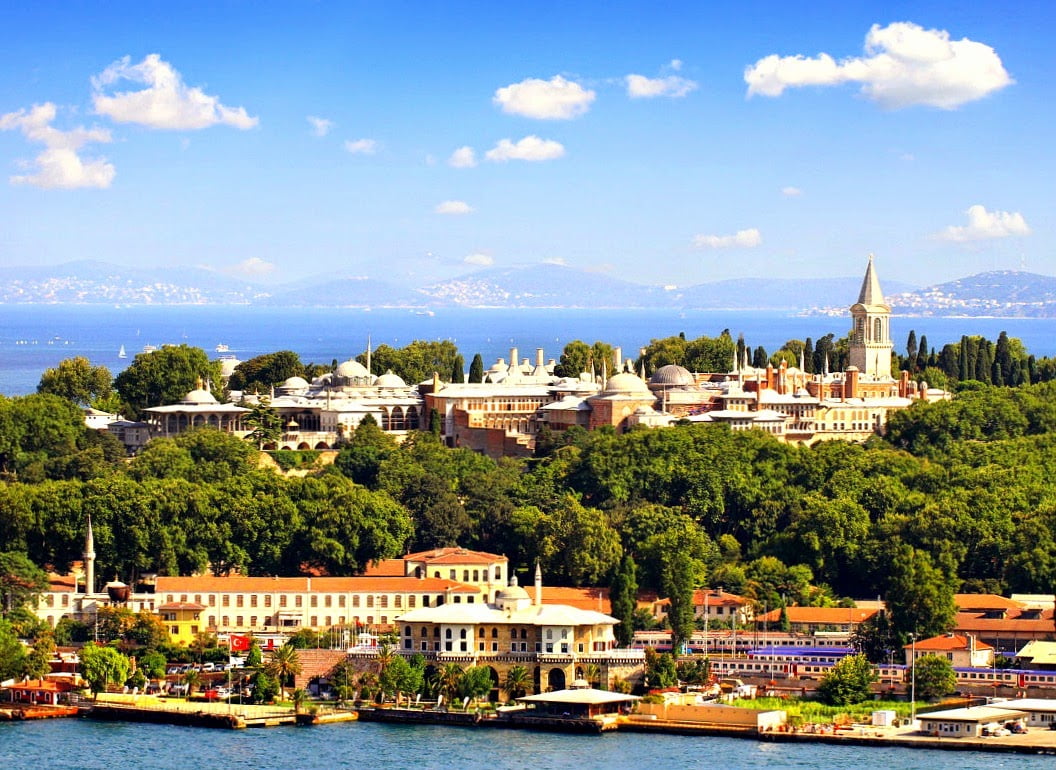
[{"x": 913, "y": 682}]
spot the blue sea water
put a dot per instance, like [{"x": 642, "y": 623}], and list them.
[
  {"x": 68, "y": 743},
  {"x": 36, "y": 337}
]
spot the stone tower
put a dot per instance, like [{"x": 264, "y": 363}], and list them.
[
  {"x": 871, "y": 346},
  {"x": 89, "y": 560}
]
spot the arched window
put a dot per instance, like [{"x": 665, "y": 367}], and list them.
[
  {"x": 462, "y": 634},
  {"x": 447, "y": 633},
  {"x": 407, "y": 631},
  {"x": 877, "y": 330}
]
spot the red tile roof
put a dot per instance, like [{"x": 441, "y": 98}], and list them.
[
  {"x": 819, "y": 615},
  {"x": 947, "y": 643},
  {"x": 239, "y": 584},
  {"x": 173, "y": 606},
  {"x": 718, "y": 599},
  {"x": 58, "y": 582},
  {"x": 978, "y": 602},
  {"x": 596, "y": 599},
  {"x": 455, "y": 556},
  {"x": 386, "y": 568},
  {"x": 44, "y": 685},
  {"x": 1012, "y": 624}
]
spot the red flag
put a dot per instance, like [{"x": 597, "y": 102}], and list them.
[{"x": 238, "y": 643}]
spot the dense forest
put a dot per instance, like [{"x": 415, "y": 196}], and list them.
[{"x": 957, "y": 496}]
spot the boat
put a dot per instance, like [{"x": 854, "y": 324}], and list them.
[
  {"x": 222, "y": 348},
  {"x": 121, "y": 353},
  {"x": 149, "y": 348}
]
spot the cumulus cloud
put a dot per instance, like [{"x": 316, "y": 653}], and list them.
[
  {"x": 676, "y": 65},
  {"x": 453, "y": 207},
  {"x": 673, "y": 86},
  {"x": 361, "y": 146},
  {"x": 555, "y": 261},
  {"x": 59, "y": 166},
  {"x": 479, "y": 259},
  {"x": 983, "y": 225},
  {"x": 904, "y": 65},
  {"x": 254, "y": 267},
  {"x": 530, "y": 148},
  {"x": 463, "y": 157},
  {"x": 320, "y": 126},
  {"x": 791, "y": 192},
  {"x": 742, "y": 239},
  {"x": 166, "y": 103},
  {"x": 554, "y": 99}
]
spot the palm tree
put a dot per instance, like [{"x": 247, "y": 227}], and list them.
[
  {"x": 517, "y": 681},
  {"x": 284, "y": 664},
  {"x": 592, "y": 673},
  {"x": 192, "y": 679},
  {"x": 447, "y": 680},
  {"x": 300, "y": 697},
  {"x": 386, "y": 653}
]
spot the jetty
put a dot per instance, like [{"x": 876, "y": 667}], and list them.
[{"x": 147, "y": 708}]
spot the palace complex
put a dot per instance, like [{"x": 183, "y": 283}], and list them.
[{"x": 504, "y": 414}]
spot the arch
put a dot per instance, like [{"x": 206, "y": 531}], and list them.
[
  {"x": 493, "y": 694},
  {"x": 878, "y": 333},
  {"x": 321, "y": 445},
  {"x": 555, "y": 679},
  {"x": 412, "y": 418},
  {"x": 304, "y": 445},
  {"x": 537, "y": 680}
]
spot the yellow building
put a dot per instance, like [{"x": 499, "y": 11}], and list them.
[{"x": 183, "y": 620}]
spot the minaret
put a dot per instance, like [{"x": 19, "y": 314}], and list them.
[
  {"x": 538, "y": 585},
  {"x": 871, "y": 346},
  {"x": 368, "y": 356},
  {"x": 89, "y": 559}
]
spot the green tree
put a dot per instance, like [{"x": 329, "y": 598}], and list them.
[
  {"x": 623, "y": 597},
  {"x": 847, "y": 682},
  {"x": 517, "y": 682},
  {"x": 399, "y": 677},
  {"x": 660, "y": 669},
  {"x": 476, "y": 369},
  {"x": 875, "y": 638},
  {"x": 152, "y": 664},
  {"x": 259, "y": 374},
  {"x": 446, "y": 680},
  {"x": 680, "y": 581},
  {"x": 165, "y": 376},
  {"x": 935, "y": 677},
  {"x": 76, "y": 380},
  {"x": 575, "y": 359},
  {"x": 192, "y": 678},
  {"x": 264, "y": 422},
  {"x": 265, "y": 687},
  {"x": 101, "y": 666},
  {"x": 37, "y": 663},
  {"x": 364, "y": 451},
  {"x": 458, "y": 369},
  {"x": 284, "y": 664},
  {"x": 21, "y": 581},
  {"x": 12, "y": 653},
  {"x": 919, "y": 595},
  {"x": 475, "y": 683},
  {"x": 254, "y": 657}
]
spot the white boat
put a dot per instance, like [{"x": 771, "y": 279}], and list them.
[
  {"x": 222, "y": 348},
  {"x": 121, "y": 353}
]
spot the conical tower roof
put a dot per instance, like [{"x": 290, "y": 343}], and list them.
[{"x": 871, "y": 293}]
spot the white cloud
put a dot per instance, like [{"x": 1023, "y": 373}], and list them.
[
  {"x": 463, "y": 157},
  {"x": 555, "y": 261},
  {"x": 742, "y": 239},
  {"x": 453, "y": 207},
  {"x": 530, "y": 148},
  {"x": 983, "y": 225},
  {"x": 904, "y": 65},
  {"x": 320, "y": 126},
  {"x": 167, "y": 103},
  {"x": 641, "y": 87},
  {"x": 791, "y": 192},
  {"x": 59, "y": 166},
  {"x": 482, "y": 260},
  {"x": 361, "y": 146},
  {"x": 676, "y": 65},
  {"x": 554, "y": 99},
  {"x": 254, "y": 267}
]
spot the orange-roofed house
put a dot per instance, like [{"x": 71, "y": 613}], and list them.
[
  {"x": 811, "y": 620},
  {"x": 959, "y": 650},
  {"x": 183, "y": 620},
  {"x": 487, "y": 571},
  {"x": 40, "y": 691}
]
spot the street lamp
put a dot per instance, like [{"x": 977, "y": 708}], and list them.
[{"x": 913, "y": 682}]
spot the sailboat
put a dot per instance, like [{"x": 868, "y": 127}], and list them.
[{"x": 121, "y": 353}]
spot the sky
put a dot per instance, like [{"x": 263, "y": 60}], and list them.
[{"x": 664, "y": 143}]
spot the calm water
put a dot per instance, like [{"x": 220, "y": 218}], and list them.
[
  {"x": 71, "y": 743},
  {"x": 36, "y": 337}
]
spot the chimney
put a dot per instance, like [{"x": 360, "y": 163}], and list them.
[
  {"x": 618, "y": 355},
  {"x": 513, "y": 356},
  {"x": 539, "y": 357}
]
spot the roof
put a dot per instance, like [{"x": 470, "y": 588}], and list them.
[
  {"x": 44, "y": 685},
  {"x": 386, "y": 568},
  {"x": 64, "y": 583},
  {"x": 822, "y": 615},
  {"x": 534, "y": 615},
  {"x": 978, "y": 602},
  {"x": 1039, "y": 652},
  {"x": 1014, "y": 622},
  {"x": 870, "y": 293},
  {"x": 454, "y": 556},
  {"x": 974, "y": 714},
  {"x": 947, "y": 643},
  {"x": 718, "y": 598},
  {"x": 596, "y": 599},
  {"x": 239, "y": 584},
  {"x": 173, "y": 606},
  {"x": 585, "y": 696},
  {"x": 1027, "y": 704}
]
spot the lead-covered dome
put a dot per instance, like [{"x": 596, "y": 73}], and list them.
[
  {"x": 626, "y": 383},
  {"x": 672, "y": 376}
]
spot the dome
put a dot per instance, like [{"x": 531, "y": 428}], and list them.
[
  {"x": 672, "y": 375},
  {"x": 295, "y": 382},
  {"x": 512, "y": 597},
  {"x": 627, "y": 383},
  {"x": 352, "y": 369},
  {"x": 199, "y": 396},
  {"x": 390, "y": 380}
]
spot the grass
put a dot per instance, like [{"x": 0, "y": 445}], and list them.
[{"x": 814, "y": 711}]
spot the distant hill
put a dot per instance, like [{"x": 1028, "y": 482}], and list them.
[
  {"x": 1004, "y": 293},
  {"x": 1001, "y": 293}
]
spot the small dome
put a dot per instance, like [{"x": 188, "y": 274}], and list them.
[
  {"x": 199, "y": 396},
  {"x": 512, "y": 593},
  {"x": 390, "y": 380},
  {"x": 295, "y": 382},
  {"x": 627, "y": 383},
  {"x": 672, "y": 375},
  {"x": 352, "y": 369}
]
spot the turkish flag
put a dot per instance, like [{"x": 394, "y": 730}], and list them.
[{"x": 238, "y": 643}]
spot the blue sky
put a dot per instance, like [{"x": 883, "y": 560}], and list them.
[{"x": 665, "y": 143}]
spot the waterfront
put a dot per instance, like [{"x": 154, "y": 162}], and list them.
[
  {"x": 36, "y": 337},
  {"x": 115, "y": 745}
]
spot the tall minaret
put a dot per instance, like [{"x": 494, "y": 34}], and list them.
[
  {"x": 538, "y": 585},
  {"x": 871, "y": 346},
  {"x": 89, "y": 559}
]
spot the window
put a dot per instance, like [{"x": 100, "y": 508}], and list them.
[
  {"x": 225, "y": 601},
  {"x": 470, "y": 599},
  {"x": 495, "y": 633},
  {"x": 227, "y": 620},
  {"x": 494, "y": 646},
  {"x": 298, "y": 601},
  {"x": 314, "y": 620},
  {"x": 465, "y": 576},
  {"x": 355, "y": 600},
  {"x": 462, "y": 633},
  {"x": 476, "y": 576},
  {"x": 328, "y": 601},
  {"x": 447, "y": 633},
  {"x": 341, "y": 601},
  {"x": 383, "y": 601},
  {"x": 282, "y": 600},
  {"x": 253, "y": 620},
  {"x": 481, "y": 647},
  {"x": 253, "y": 600},
  {"x": 370, "y": 601},
  {"x": 239, "y": 600},
  {"x": 267, "y": 600},
  {"x": 411, "y": 601},
  {"x": 238, "y": 621},
  {"x": 458, "y": 599},
  {"x": 407, "y": 644},
  {"x": 454, "y": 574},
  {"x": 314, "y": 600},
  {"x": 398, "y": 601}
]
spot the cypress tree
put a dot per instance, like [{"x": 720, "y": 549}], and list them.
[
  {"x": 623, "y": 595},
  {"x": 922, "y": 353},
  {"x": 911, "y": 345},
  {"x": 759, "y": 358},
  {"x": 458, "y": 369},
  {"x": 476, "y": 369},
  {"x": 964, "y": 363},
  {"x": 808, "y": 355}
]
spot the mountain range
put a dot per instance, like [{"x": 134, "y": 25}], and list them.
[{"x": 999, "y": 293}]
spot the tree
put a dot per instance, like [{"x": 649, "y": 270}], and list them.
[
  {"x": 919, "y": 595},
  {"x": 623, "y": 597},
  {"x": 299, "y": 697},
  {"x": 265, "y": 422},
  {"x": 935, "y": 677},
  {"x": 517, "y": 681},
  {"x": 38, "y": 662},
  {"x": 660, "y": 669},
  {"x": 265, "y": 687},
  {"x": 398, "y": 676},
  {"x": 284, "y": 664},
  {"x": 253, "y": 656},
  {"x": 192, "y": 679},
  {"x": 101, "y": 666},
  {"x": 458, "y": 369},
  {"x": 679, "y": 585},
  {"x": 21, "y": 581},
  {"x": 848, "y": 682},
  {"x": 364, "y": 451},
  {"x": 76, "y": 380},
  {"x": 259, "y": 374},
  {"x": 447, "y": 678},
  {"x": 12, "y": 653},
  {"x": 152, "y": 664},
  {"x": 475, "y": 683},
  {"x": 165, "y": 376},
  {"x": 575, "y": 359},
  {"x": 476, "y": 369},
  {"x": 875, "y": 638}
]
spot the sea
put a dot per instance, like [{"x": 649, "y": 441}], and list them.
[
  {"x": 67, "y": 743},
  {"x": 37, "y": 337}
]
